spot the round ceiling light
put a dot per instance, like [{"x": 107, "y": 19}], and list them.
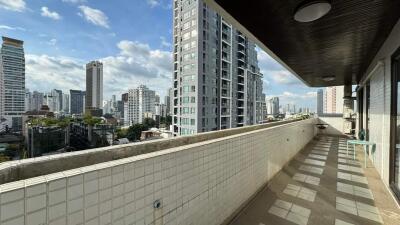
[
  {"x": 311, "y": 10},
  {"x": 328, "y": 78}
]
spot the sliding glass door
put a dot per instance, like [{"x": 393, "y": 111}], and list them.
[{"x": 395, "y": 125}]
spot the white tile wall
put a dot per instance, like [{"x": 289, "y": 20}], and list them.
[{"x": 202, "y": 183}]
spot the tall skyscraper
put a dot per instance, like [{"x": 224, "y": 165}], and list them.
[
  {"x": 65, "y": 103},
  {"x": 140, "y": 101},
  {"x": 167, "y": 101},
  {"x": 320, "y": 102},
  {"x": 12, "y": 76},
  {"x": 334, "y": 99},
  {"x": 28, "y": 100},
  {"x": 2, "y": 93},
  {"x": 275, "y": 106},
  {"x": 37, "y": 101},
  {"x": 217, "y": 82},
  {"x": 94, "y": 85},
  {"x": 77, "y": 101}
]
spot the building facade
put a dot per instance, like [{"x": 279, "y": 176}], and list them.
[
  {"x": 216, "y": 81},
  {"x": 333, "y": 100},
  {"x": 37, "y": 101},
  {"x": 77, "y": 101},
  {"x": 12, "y": 59},
  {"x": 94, "y": 85},
  {"x": 140, "y": 101},
  {"x": 320, "y": 102},
  {"x": 65, "y": 103}
]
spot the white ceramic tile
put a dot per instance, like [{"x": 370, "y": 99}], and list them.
[
  {"x": 341, "y": 222},
  {"x": 315, "y": 156},
  {"x": 311, "y": 169},
  {"x": 314, "y": 162}
]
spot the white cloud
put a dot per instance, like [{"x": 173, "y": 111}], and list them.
[
  {"x": 74, "y": 1},
  {"x": 153, "y": 3},
  {"x": 45, "y": 72},
  {"x": 136, "y": 63},
  {"x": 274, "y": 71},
  {"x": 52, "y": 42},
  {"x": 165, "y": 43},
  {"x": 13, "y": 5},
  {"x": 47, "y": 13},
  {"x": 5, "y": 27},
  {"x": 94, "y": 16}
]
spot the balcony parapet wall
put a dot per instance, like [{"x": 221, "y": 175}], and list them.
[{"x": 206, "y": 182}]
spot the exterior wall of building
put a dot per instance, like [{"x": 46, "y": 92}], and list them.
[
  {"x": 2, "y": 123},
  {"x": 77, "y": 101},
  {"x": 140, "y": 100},
  {"x": 320, "y": 102},
  {"x": 191, "y": 182},
  {"x": 94, "y": 85},
  {"x": 217, "y": 83},
  {"x": 13, "y": 73},
  {"x": 380, "y": 101},
  {"x": 37, "y": 100}
]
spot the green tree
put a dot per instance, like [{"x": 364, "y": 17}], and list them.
[
  {"x": 122, "y": 133},
  {"x": 90, "y": 120},
  {"x": 149, "y": 123},
  {"x": 134, "y": 132}
]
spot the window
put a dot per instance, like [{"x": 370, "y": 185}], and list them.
[
  {"x": 185, "y": 89},
  {"x": 186, "y": 15},
  {"x": 186, "y": 36},
  {"x": 186, "y": 25}
]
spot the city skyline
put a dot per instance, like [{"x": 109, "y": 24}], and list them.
[{"x": 130, "y": 57}]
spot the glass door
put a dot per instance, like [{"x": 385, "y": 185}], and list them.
[{"x": 395, "y": 125}]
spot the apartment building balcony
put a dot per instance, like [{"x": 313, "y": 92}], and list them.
[{"x": 287, "y": 172}]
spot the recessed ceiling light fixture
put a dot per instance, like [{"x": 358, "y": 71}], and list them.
[
  {"x": 328, "y": 78},
  {"x": 311, "y": 10}
]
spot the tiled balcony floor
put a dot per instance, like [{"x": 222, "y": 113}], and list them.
[{"x": 322, "y": 186}]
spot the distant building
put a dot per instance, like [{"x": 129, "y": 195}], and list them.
[
  {"x": 217, "y": 80},
  {"x": 77, "y": 101},
  {"x": 28, "y": 100},
  {"x": 273, "y": 106},
  {"x": 37, "y": 101},
  {"x": 141, "y": 101},
  {"x": 65, "y": 103},
  {"x": 167, "y": 101},
  {"x": 161, "y": 110},
  {"x": 94, "y": 85},
  {"x": 333, "y": 99},
  {"x": 58, "y": 94},
  {"x": 12, "y": 84},
  {"x": 320, "y": 102}
]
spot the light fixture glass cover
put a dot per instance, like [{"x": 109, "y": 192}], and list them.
[
  {"x": 312, "y": 10},
  {"x": 329, "y": 78}
]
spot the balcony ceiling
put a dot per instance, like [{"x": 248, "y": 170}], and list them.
[{"x": 342, "y": 43}]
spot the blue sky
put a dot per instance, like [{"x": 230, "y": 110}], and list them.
[{"x": 131, "y": 37}]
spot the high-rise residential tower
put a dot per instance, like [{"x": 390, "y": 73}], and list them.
[
  {"x": 77, "y": 99},
  {"x": 94, "y": 85},
  {"x": 334, "y": 99},
  {"x": 216, "y": 80},
  {"x": 140, "y": 100},
  {"x": 12, "y": 76},
  {"x": 37, "y": 101},
  {"x": 167, "y": 101},
  {"x": 320, "y": 102}
]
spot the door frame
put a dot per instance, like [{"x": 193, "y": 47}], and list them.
[{"x": 395, "y": 77}]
